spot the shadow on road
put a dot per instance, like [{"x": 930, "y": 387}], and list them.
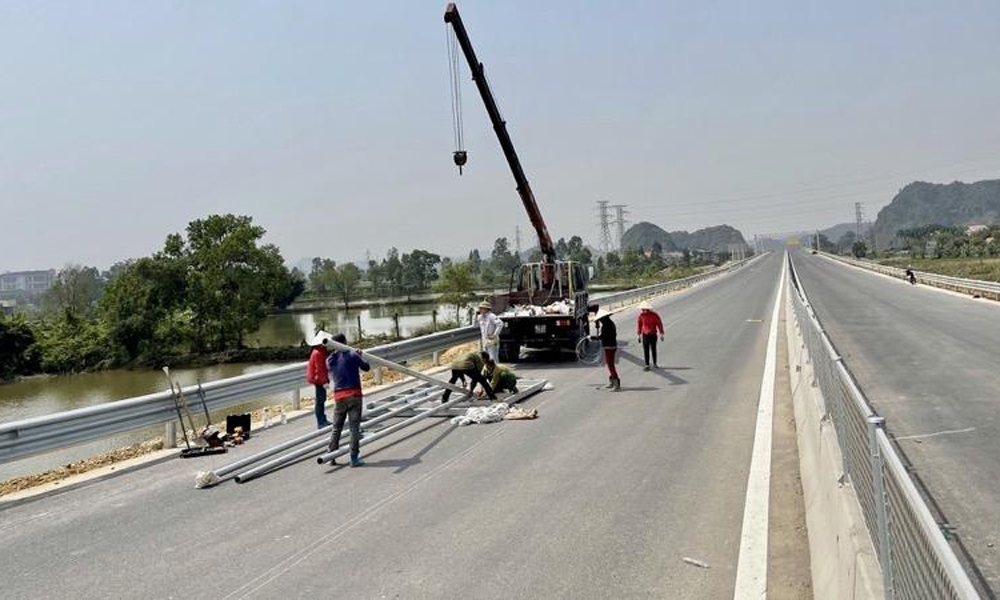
[
  {"x": 663, "y": 372},
  {"x": 403, "y": 463}
]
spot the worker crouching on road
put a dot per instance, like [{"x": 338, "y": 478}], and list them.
[
  {"x": 607, "y": 332},
  {"x": 469, "y": 365},
  {"x": 346, "y": 367},
  {"x": 489, "y": 330},
  {"x": 648, "y": 325},
  {"x": 501, "y": 378},
  {"x": 317, "y": 374}
]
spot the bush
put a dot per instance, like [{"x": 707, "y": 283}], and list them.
[{"x": 17, "y": 347}]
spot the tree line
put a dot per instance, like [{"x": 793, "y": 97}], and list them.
[
  {"x": 204, "y": 291},
  {"x": 925, "y": 241}
]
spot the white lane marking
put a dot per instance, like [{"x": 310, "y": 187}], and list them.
[
  {"x": 751, "y": 568},
  {"x": 921, "y": 436}
]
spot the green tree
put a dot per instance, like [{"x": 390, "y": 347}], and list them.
[
  {"x": 232, "y": 280},
  {"x": 376, "y": 276},
  {"x": 419, "y": 270},
  {"x": 476, "y": 260},
  {"x": 71, "y": 343},
  {"x": 577, "y": 251},
  {"x": 392, "y": 268},
  {"x": 502, "y": 259},
  {"x": 17, "y": 342},
  {"x": 147, "y": 294},
  {"x": 860, "y": 249},
  {"x": 562, "y": 249},
  {"x": 345, "y": 282},
  {"x": 456, "y": 285},
  {"x": 75, "y": 290},
  {"x": 323, "y": 276}
]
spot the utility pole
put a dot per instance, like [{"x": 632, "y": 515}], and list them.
[
  {"x": 517, "y": 239},
  {"x": 604, "y": 225},
  {"x": 621, "y": 218},
  {"x": 859, "y": 216}
]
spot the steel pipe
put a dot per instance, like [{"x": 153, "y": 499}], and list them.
[
  {"x": 370, "y": 357},
  {"x": 310, "y": 448},
  {"x": 206, "y": 479}
]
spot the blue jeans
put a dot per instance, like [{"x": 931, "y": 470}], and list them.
[{"x": 321, "y": 407}]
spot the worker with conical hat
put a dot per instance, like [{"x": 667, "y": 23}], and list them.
[
  {"x": 647, "y": 326},
  {"x": 317, "y": 374},
  {"x": 607, "y": 332}
]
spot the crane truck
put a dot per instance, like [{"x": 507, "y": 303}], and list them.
[{"x": 546, "y": 306}]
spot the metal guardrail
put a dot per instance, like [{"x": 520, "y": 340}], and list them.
[
  {"x": 973, "y": 287},
  {"x": 914, "y": 556},
  {"x": 50, "y": 432}
]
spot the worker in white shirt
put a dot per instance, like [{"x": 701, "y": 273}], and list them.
[{"x": 490, "y": 326}]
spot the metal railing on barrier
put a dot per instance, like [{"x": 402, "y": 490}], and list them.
[
  {"x": 973, "y": 287},
  {"x": 36, "y": 435},
  {"x": 915, "y": 558}
]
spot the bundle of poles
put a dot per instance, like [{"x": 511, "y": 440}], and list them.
[{"x": 399, "y": 405}]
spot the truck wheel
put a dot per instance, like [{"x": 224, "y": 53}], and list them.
[{"x": 510, "y": 353}]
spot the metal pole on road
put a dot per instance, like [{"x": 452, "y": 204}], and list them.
[
  {"x": 210, "y": 478},
  {"x": 318, "y": 445}
]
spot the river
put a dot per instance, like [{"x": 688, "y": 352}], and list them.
[{"x": 43, "y": 395}]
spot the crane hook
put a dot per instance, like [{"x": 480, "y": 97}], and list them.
[{"x": 460, "y": 157}]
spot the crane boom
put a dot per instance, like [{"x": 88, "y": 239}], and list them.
[{"x": 500, "y": 127}]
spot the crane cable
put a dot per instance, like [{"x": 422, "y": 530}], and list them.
[{"x": 455, "y": 78}]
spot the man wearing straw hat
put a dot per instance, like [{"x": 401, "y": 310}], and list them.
[{"x": 490, "y": 326}]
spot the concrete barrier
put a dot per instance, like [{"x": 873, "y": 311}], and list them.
[{"x": 842, "y": 557}]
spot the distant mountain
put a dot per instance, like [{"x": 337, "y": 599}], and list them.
[
  {"x": 955, "y": 204},
  {"x": 837, "y": 231},
  {"x": 713, "y": 239},
  {"x": 643, "y": 235}
]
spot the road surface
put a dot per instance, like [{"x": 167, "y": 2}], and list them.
[
  {"x": 930, "y": 364},
  {"x": 604, "y": 494}
]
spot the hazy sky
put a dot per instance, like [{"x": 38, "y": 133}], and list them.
[{"x": 329, "y": 122}]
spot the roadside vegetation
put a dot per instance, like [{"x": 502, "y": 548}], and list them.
[
  {"x": 202, "y": 293},
  {"x": 196, "y": 301},
  {"x": 953, "y": 251}
]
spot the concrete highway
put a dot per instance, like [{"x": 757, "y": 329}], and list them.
[
  {"x": 930, "y": 363},
  {"x": 604, "y": 495}
]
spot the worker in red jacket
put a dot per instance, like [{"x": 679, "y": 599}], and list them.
[
  {"x": 318, "y": 375},
  {"x": 648, "y": 325}
]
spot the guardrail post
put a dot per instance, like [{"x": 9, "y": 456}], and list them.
[
  {"x": 170, "y": 435},
  {"x": 881, "y": 504},
  {"x": 437, "y": 358},
  {"x": 296, "y": 399},
  {"x": 377, "y": 374}
]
